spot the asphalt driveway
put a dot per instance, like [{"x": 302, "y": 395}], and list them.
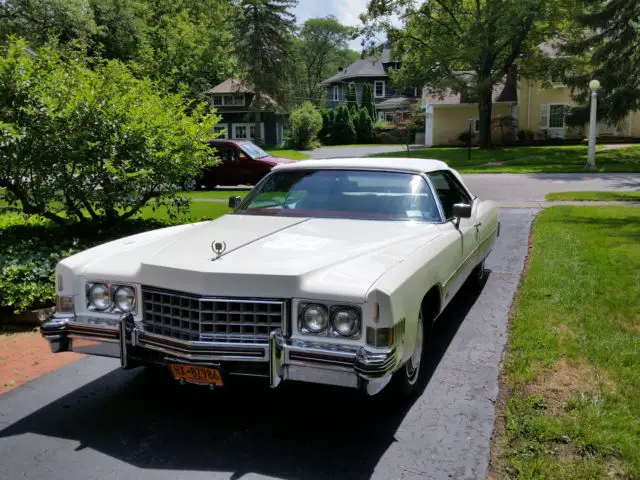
[{"x": 90, "y": 420}]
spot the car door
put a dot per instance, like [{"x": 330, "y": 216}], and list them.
[{"x": 463, "y": 230}]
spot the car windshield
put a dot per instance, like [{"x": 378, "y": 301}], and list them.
[
  {"x": 355, "y": 194},
  {"x": 253, "y": 150}
]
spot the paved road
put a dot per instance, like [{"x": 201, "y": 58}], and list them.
[
  {"x": 90, "y": 420},
  {"x": 534, "y": 186}
]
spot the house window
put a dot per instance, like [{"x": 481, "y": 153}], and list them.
[
  {"x": 217, "y": 100},
  {"x": 337, "y": 93},
  {"x": 552, "y": 115},
  {"x": 246, "y": 131},
  {"x": 239, "y": 131},
  {"x": 476, "y": 125},
  {"x": 385, "y": 116},
  {"x": 228, "y": 100},
  {"x": 238, "y": 100},
  {"x": 379, "y": 88},
  {"x": 221, "y": 130}
]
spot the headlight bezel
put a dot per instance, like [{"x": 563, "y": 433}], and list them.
[
  {"x": 112, "y": 287},
  {"x": 331, "y": 308}
]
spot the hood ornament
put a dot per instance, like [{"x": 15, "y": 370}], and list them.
[{"x": 218, "y": 248}]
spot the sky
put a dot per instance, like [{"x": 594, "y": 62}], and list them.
[{"x": 346, "y": 11}]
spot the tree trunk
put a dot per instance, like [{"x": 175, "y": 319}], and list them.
[{"x": 484, "y": 108}]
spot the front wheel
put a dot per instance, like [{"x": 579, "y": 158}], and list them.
[
  {"x": 411, "y": 378},
  {"x": 477, "y": 276}
]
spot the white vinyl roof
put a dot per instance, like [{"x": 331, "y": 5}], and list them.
[{"x": 418, "y": 165}]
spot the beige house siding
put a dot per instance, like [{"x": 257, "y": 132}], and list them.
[
  {"x": 449, "y": 121},
  {"x": 531, "y": 98}
]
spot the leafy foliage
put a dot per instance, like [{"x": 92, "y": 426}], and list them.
[
  {"x": 305, "y": 124},
  {"x": 367, "y": 99},
  {"x": 343, "y": 131},
  {"x": 183, "y": 46},
  {"x": 321, "y": 48},
  {"x": 350, "y": 96},
  {"x": 30, "y": 250},
  {"x": 364, "y": 127},
  {"x": 264, "y": 47},
  {"x": 607, "y": 47},
  {"x": 328, "y": 117},
  {"x": 85, "y": 140}
]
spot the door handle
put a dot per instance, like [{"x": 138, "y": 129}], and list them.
[{"x": 477, "y": 225}]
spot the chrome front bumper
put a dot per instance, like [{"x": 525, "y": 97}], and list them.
[{"x": 281, "y": 359}]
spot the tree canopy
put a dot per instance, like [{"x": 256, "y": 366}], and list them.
[
  {"x": 606, "y": 46},
  {"x": 463, "y": 45},
  {"x": 65, "y": 159}
]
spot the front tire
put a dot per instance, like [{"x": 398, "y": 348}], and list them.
[
  {"x": 478, "y": 275},
  {"x": 411, "y": 378}
]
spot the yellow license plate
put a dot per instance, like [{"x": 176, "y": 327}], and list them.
[{"x": 196, "y": 374}]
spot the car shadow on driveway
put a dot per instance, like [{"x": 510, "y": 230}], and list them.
[{"x": 296, "y": 431}]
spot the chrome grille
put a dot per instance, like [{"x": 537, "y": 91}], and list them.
[{"x": 191, "y": 317}]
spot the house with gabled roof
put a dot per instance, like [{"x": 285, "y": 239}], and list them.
[
  {"x": 234, "y": 100},
  {"x": 374, "y": 70}
]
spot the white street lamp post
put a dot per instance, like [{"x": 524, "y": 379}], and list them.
[{"x": 594, "y": 85}]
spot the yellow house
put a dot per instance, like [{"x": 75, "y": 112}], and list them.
[
  {"x": 542, "y": 111},
  {"x": 448, "y": 117},
  {"x": 521, "y": 107}
]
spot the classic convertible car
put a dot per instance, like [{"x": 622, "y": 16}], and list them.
[{"x": 329, "y": 271}]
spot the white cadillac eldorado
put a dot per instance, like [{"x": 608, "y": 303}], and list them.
[{"x": 328, "y": 271}]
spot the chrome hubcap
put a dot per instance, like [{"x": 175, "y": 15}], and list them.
[{"x": 413, "y": 365}]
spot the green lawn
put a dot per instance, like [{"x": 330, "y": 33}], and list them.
[
  {"x": 594, "y": 196},
  {"x": 572, "y": 367},
  {"x": 292, "y": 154},
  {"x": 219, "y": 194},
  {"x": 548, "y": 159},
  {"x": 197, "y": 211}
]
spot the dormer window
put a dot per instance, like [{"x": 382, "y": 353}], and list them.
[{"x": 228, "y": 100}]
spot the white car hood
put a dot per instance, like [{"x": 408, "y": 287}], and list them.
[{"x": 271, "y": 257}]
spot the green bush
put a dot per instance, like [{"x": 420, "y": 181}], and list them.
[
  {"x": 364, "y": 127},
  {"x": 84, "y": 140},
  {"x": 367, "y": 100},
  {"x": 305, "y": 124},
  {"x": 343, "y": 131},
  {"x": 31, "y": 248},
  {"x": 328, "y": 117}
]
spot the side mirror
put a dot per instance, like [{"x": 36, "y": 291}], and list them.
[
  {"x": 461, "y": 210},
  {"x": 234, "y": 201}
]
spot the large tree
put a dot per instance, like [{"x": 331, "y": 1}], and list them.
[
  {"x": 322, "y": 49},
  {"x": 39, "y": 21},
  {"x": 264, "y": 45},
  {"x": 467, "y": 46},
  {"x": 607, "y": 47}
]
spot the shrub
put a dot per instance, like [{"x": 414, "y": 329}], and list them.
[
  {"x": 465, "y": 137},
  {"x": 367, "y": 99},
  {"x": 30, "y": 250},
  {"x": 83, "y": 139},
  {"x": 305, "y": 124},
  {"x": 364, "y": 127},
  {"x": 324, "y": 135},
  {"x": 343, "y": 131},
  {"x": 350, "y": 97}
]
